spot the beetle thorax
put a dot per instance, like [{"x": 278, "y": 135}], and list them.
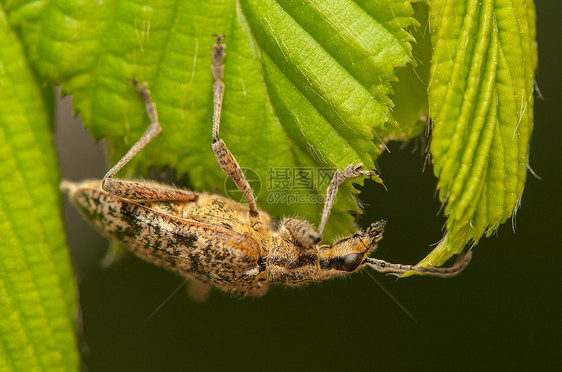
[{"x": 292, "y": 264}]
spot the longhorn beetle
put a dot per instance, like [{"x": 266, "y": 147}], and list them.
[{"x": 214, "y": 240}]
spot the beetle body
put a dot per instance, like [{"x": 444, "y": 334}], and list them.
[{"x": 215, "y": 240}]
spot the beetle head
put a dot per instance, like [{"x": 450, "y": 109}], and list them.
[{"x": 348, "y": 255}]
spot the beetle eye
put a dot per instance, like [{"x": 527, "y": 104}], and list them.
[{"x": 350, "y": 262}]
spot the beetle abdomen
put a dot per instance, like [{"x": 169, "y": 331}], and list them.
[{"x": 207, "y": 252}]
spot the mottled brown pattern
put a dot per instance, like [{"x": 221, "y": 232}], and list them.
[
  {"x": 145, "y": 190},
  {"x": 213, "y": 239}
]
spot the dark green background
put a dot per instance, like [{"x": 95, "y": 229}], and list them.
[{"x": 503, "y": 312}]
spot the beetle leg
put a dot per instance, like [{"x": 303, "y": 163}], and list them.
[
  {"x": 198, "y": 291},
  {"x": 302, "y": 231},
  {"x": 144, "y": 191},
  {"x": 226, "y": 160},
  {"x": 352, "y": 171}
]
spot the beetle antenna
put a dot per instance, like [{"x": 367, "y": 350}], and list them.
[{"x": 444, "y": 272}]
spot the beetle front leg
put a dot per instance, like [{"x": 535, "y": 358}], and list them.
[
  {"x": 144, "y": 191},
  {"x": 303, "y": 231},
  {"x": 352, "y": 171}
]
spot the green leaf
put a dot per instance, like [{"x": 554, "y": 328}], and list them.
[
  {"x": 481, "y": 103},
  {"x": 37, "y": 292},
  {"x": 306, "y": 84},
  {"x": 410, "y": 91}
]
